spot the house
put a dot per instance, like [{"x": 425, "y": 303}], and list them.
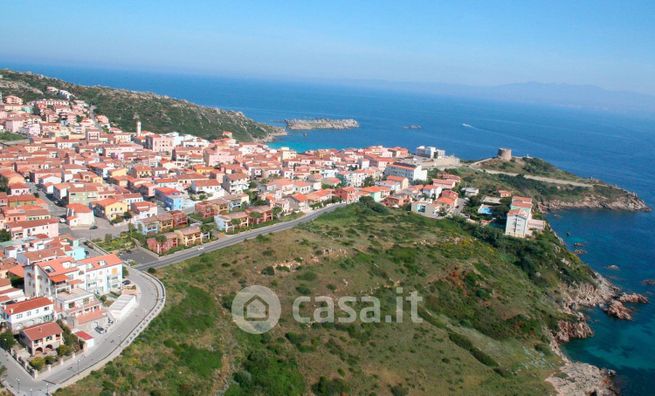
[
  {"x": 42, "y": 338},
  {"x": 299, "y": 202},
  {"x": 180, "y": 219},
  {"x": 110, "y": 208},
  {"x": 142, "y": 210},
  {"x": 231, "y": 221},
  {"x": 170, "y": 197},
  {"x": 259, "y": 214},
  {"x": 378, "y": 193},
  {"x": 235, "y": 183},
  {"x": 409, "y": 171},
  {"x": 18, "y": 189},
  {"x": 28, "y": 313},
  {"x": 155, "y": 224},
  {"x": 470, "y": 191},
  {"x": 212, "y": 207},
  {"x": 160, "y": 143},
  {"x": 446, "y": 184},
  {"x": 78, "y": 215},
  {"x": 97, "y": 275},
  {"x": 447, "y": 200},
  {"x": 208, "y": 186},
  {"x": 25, "y": 229},
  {"x": 428, "y": 209},
  {"x": 163, "y": 242},
  {"x": 520, "y": 223},
  {"x": 347, "y": 194},
  {"x": 517, "y": 223},
  {"x": 15, "y": 201},
  {"x": 190, "y": 236},
  {"x": 78, "y": 306}
]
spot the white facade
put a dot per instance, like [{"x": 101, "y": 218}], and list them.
[{"x": 411, "y": 172}]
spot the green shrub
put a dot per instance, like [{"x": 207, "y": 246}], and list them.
[
  {"x": 37, "y": 363},
  {"x": 7, "y": 340},
  {"x": 330, "y": 387}
]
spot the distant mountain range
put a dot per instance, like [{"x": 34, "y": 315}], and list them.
[{"x": 564, "y": 95}]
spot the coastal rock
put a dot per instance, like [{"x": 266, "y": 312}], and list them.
[
  {"x": 628, "y": 201},
  {"x": 588, "y": 295},
  {"x": 572, "y": 330},
  {"x": 613, "y": 267},
  {"x": 618, "y": 310},
  {"x": 649, "y": 282},
  {"x": 321, "y": 123},
  {"x": 633, "y": 298},
  {"x": 575, "y": 378}
]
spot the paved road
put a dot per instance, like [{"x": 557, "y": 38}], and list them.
[
  {"x": 107, "y": 346},
  {"x": 234, "y": 239},
  {"x": 121, "y": 334}
]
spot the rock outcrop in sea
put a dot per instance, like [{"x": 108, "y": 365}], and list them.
[
  {"x": 321, "y": 123},
  {"x": 577, "y": 378},
  {"x": 627, "y": 201}
]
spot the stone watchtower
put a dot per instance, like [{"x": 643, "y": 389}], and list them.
[{"x": 505, "y": 154}]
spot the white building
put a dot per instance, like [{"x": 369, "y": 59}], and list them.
[
  {"x": 430, "y": 152},
  {"x": 97, "y": 275},
  {"x": 28, "y": 313},
  {"x": 517, "y": 223},
  {"x": 409, "y": 171}
]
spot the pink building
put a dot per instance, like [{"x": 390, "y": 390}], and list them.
[{"x": 159, "y": 143}]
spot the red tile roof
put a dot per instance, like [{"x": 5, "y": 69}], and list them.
[
  {"x": 27, "y": 305},
  {"x": 41, "y": 331}
]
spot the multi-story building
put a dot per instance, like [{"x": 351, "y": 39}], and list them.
[
  {"x": 410, "y": 171},
  {"x": 28, "y": 313},
  {"x": 98, "y": 275}
]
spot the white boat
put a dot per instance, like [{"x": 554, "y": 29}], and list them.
[{"x": 465, "y": 125}]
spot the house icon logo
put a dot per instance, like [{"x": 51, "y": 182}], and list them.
[{"x": 256, "y": 309}]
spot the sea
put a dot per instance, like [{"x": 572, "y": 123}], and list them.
[{"x": 617, "y": 148}]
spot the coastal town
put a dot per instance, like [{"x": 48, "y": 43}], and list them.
[{"x": 82, "y": 200}]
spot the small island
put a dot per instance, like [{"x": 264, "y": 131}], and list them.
[{"x": 321, "y": 123}]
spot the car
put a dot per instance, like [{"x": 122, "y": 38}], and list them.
[
  {"x": 201, "y": 247},
  {"x": 127, "y": 282},
  {"x": 62, "y": 220},
  {"x": 101, "y": 330}
]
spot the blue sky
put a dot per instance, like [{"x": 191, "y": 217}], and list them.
[{"x": 610, "y": 44}]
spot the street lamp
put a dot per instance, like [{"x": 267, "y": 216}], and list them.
[{"x": 18, "y": 379}]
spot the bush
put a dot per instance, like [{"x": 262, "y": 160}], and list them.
[
  {"x": 64, "y": 350},
  {"x": 50, "y": 359},
  {"x": 326, "y": 387},
  {"x": 37, "y": 363},
  {"x": 7, "y": 340},
  {"x": 268, "y": 271}
]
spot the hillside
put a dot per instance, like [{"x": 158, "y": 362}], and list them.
[
  {"x": 490, "y": 303},
  {"x": 157, "y": 113}
]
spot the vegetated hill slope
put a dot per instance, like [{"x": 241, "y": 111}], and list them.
[
  {"x": 157, "y": 113},
  {"x": 489, "y": 302},
  {"x": 547, "y": 185}
]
